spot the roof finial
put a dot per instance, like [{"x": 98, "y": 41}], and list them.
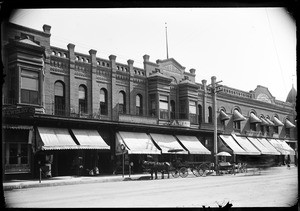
[{"x": 167, "y": 40}]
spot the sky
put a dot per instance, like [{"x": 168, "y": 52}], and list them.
[{"x": 242, "y": 47}]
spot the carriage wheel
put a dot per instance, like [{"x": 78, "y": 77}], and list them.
[
  {"x": 196, "y": 171},
  {"x": 183, "y": 172},
  {"x": 175, "y": 173},
  {"x": 203, "y": 169}
]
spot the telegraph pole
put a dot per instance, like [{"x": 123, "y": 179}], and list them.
[
  {"x": 214, "y": 87},
  {"x": 167, "y": 40}
]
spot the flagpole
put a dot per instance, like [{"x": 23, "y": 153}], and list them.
[{"x": 167, "y": 40}]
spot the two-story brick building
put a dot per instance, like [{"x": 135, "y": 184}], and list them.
[{"x": 67, "y": 109}]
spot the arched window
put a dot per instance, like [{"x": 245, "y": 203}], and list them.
[
  {"x": 210, "y": 114},
  {"x": 103, "y": 102},
  {"x": 59, "y": 98},
  {"x": 173, "y": 109},
  {"x": 82, "y": 99},
  {"x": 200, "y": 114},
  {"x": 139, "y": 104},
  {"x": 122, "y": 102}
]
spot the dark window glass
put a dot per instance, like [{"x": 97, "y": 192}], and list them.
[
  {"x": 209, "y": 114},
  {"x": 103, "y": 102}
]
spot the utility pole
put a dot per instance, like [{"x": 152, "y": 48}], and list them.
[
  {"x": 214, "y": 86},
  {"x": 167, "y": 40}
]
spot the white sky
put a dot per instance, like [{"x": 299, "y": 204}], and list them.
[{"x": 243, "y": 47}]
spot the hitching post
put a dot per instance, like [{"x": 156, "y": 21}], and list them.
[{"x": 123, "y": 160}]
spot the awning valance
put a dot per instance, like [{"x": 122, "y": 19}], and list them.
[
  {"x": 288, "y": 124},
  {"x": 18, "y": 127},
  {"x": 287, "y": 147},
  {"x": 55, "y": 139},
  {"x": 264, "y": 150},
  {"x": 233, "y": 145},
  {"x": 167, "y": 142},
  {"x": 246, "y": 145},
  {"x": 237, "y": 116},
  {"x": 135, "y": 143},
  {"x": 264, "y": 121},
  {"x": 277, "y": 122},
  {"x": 254, "y": 118},
  {"x": 278, "y": 146},
  {"x": 193, "y": 145},
  {"x": 89, "y": 139},
  {"x": 223, "y": 116},
  {"x": 270, "y": 147}
]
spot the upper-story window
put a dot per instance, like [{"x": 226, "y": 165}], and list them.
[
  {"x": 59, "y": 98},
  {"x": 193, "y": 111},
  {"x": 82, "y": 96},
  {"x": 152, "y": 110},
  {"x": 139, "y": 104},
  {"x": 199, "y": 113},
  {"x": 210, "y": 114},
  {"x": 182, "y": 109},
  {"x": 122, "y": 102},
  {"x": 103, "y": 102},
  {"x": 173, "y": 109},
  {"x": 29, "y": 87},
  {"x": 163, "y": 107}
]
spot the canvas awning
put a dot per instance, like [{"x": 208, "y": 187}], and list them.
[
  {"x": 89, "y": 139},
  {"x": 277, "y": 122},
  {"x": 230, "y": 142},
  {"x": 237, "y": 116},
  {"x": 263, "y": 149},
  {"x": 270, "y": 147},
  {"x": 193, "y": 145},
  {"x": 223, "y": 116},
  {"x": 287, "y": 147},
  {"x": 167, "y": 142},
  {"x": 288, "y": 124},
  {"x": 246, "y": 145},
  {"x": 254, "y": 118},
  {"x": 277, "y": 145},
  {"x": 264, "y": 121},
  {"x": 55, "y": 139},
  {"x": 270, "y": 122},
  {"x": 135, "y": 143}
]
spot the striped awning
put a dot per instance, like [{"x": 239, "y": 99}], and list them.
[
  {"x": 237, "y": 116},
  {"x": 254, "y": 118},
  {"x": 167, "y": 143},
  {"x": 223, "y": 116},
  {"x": 270, "y": 147},
  {"x": 277, "y": 122},
  {"x": 264, "y": 150},
  {"x": 89, "y": 139},
  {"x": 278, "y": 146},
  {"x": 287, "y": 147},
  {"x": 193, "y": 145},
  {"x": 55, "y": 139},
  {"x": 288, "y": 124},
  {"x": 135, "y": 143},
  {"x": 230, "y": 142},
  {"x": 246, "y": 145}
]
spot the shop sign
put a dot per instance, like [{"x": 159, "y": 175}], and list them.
[
  {"x": 181, "y": 123},
  {"x": 24, "y": 111}
]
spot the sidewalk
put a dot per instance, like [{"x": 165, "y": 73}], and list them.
[{"x": 69, "y": 180}]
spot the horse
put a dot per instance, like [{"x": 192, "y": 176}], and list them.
[{"x": 154, "y": 167}]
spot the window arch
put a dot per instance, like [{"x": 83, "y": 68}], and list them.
[
  {"x": 210, "y": 114},
  {"x": 122, "y": 102},
  {"x": 103, "y": 102},
  {"x": 59, "y": 98},
  {"x": 139, "y": 104},
  {"x": 82, "y": 91}
]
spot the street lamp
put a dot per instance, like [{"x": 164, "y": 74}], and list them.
[{"x": 123, "y": 149}]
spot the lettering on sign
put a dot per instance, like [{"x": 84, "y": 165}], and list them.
[
  {"x": 24, "y": 111},
  {"x": 181, "y": 123}
]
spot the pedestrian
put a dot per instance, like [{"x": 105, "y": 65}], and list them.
[{"x": 288, "y": 161}]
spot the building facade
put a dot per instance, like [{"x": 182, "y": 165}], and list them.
[{"x": 71, "y": 109}]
